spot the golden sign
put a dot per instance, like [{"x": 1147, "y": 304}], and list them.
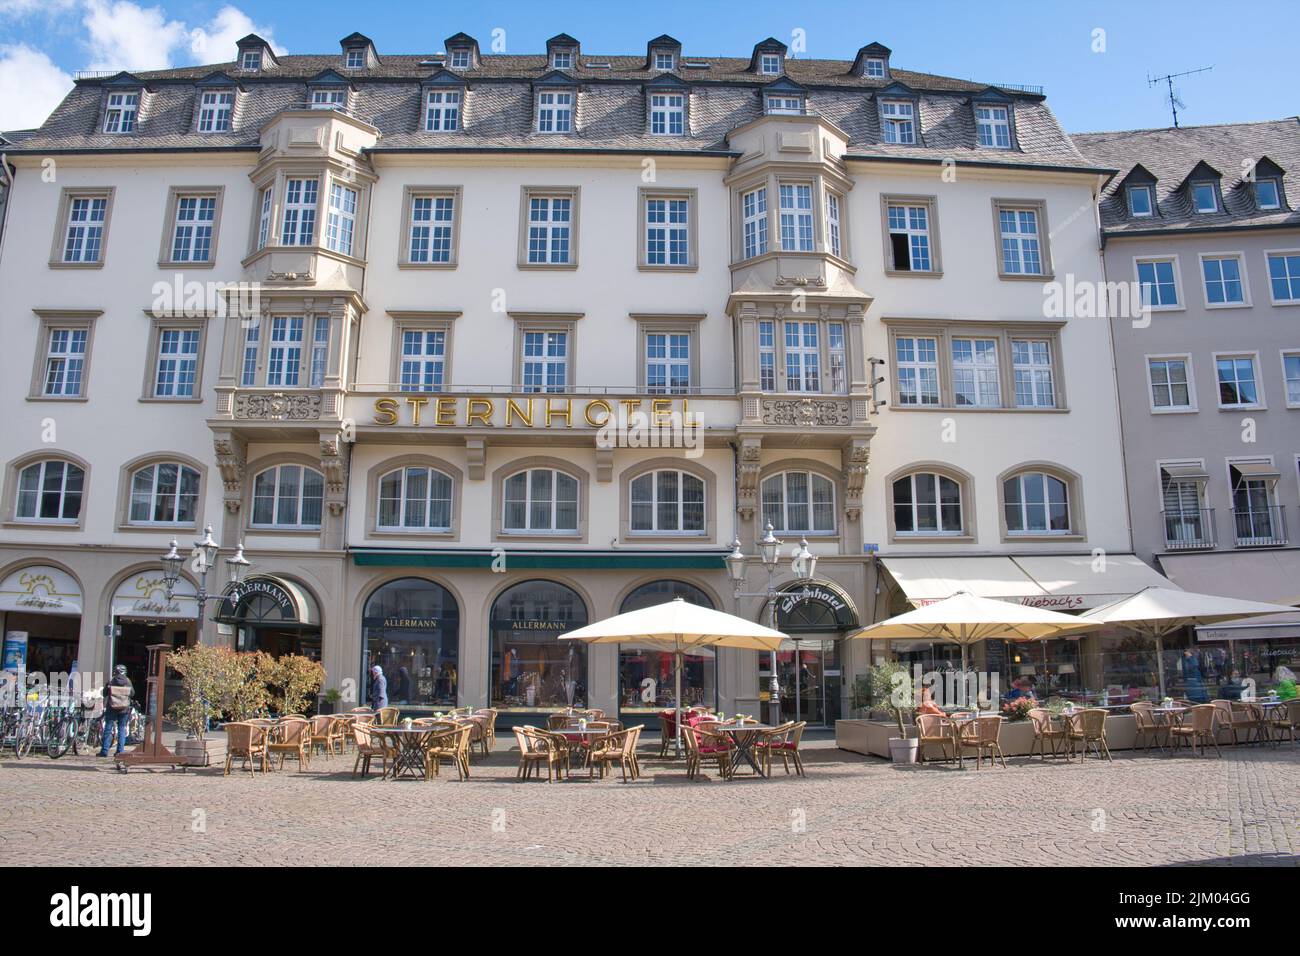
[{"x": 451, "y": 411}]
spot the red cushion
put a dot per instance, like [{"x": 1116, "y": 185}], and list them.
[{"x": 715, "y": 750}]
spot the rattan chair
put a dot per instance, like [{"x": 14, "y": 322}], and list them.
[
  {"x": 691, "y": 750},
  {"x": 247, "y": 741},
  {"x": 667, "y": 725},
  {"x": 488, "y": 739},
  {"x": 619, "y": 748},
  {"x": 1087, "y": 728},
  {"x": 1285, "y": 721},
  {"x": 1045, "y": 732},
  {"x": 386, "y": 717},
  {"x": 537, "y": 747},
  {"x": 711, "y": 746},
  {"x": 1199, "y": 724},
  {"x": 983, "y": 735},
  {"x": 370, "y": 744},
  {"x": 1148, "y": 728},
  {"x": 933, "y": 729},
  {"x": 292, "y": 738},
  {"x": 1247, "y": 718},
  {"x": 784, "y": 742},
  {"x": 323, "y": 734},
  {"x": 452, "y": 745}
]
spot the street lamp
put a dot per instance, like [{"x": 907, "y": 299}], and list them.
[
  {"x": 803, "y": 564},
  {"x": 237, "y": 564},
  {"x": 205, "y": 553}
]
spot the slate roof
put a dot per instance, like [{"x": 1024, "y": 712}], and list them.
[
  {"x": 1171, "y": 154},
  {"x": 498, "y": 109}
]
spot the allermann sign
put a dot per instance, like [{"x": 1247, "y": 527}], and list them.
[
  {"x": 460, "y": 411},
  {"x": 239, "y": 593}
]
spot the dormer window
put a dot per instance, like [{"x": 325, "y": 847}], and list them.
[
  {"x": 442, "y": 111},
  {"x": 993, "y": 126},
  {"x": 1204, "y": 198},
  {"x": 120, "y": 112},
  {"x": 355, "y": 59},
  {"x": 898, "y": 121},
  {"x": 1267, "y": 194},
  {"x": 664, "y": 60},
  {"x": 555, "y": 112},
  {"x": 215, "y": 110},
  {"x": 1140, "y": 201},
  {"x": 458, "y": 59},
  {"x": 251, "y": 60},
  {"x": 329, "y": 99},
  {"x": 562, "y": 60},
  {"x": 667, "y": 114},
  {"x": 770, "y": 64},
  {"x": 784, "y": 105},
  {"x": 874, "y": 68}
]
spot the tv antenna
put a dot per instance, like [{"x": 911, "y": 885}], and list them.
[{"x": 1172, "y": 98}]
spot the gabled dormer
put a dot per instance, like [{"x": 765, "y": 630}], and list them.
[
  {"x": 784, "y": 97},
  {"x": 1138, "y": 192},
  {"x": 1202, "y": 189},
  {"x": 668, "y": 103},
  {"x": 768, "y": 58},
  {"x": 254, "y": 55},
  {"x": 358, "y": 52},
  {"x": 329, "y": 90},
  {"x": 216, "y": 102},
  {"x": 125, "y": 98},
  {"x": 442, "y": 102},
  {"x": 555, "y": 103},
  {"x": 462, "y": 52},
  {"x": 1266, "y": 187},
  {"x": 995, "y": 119},
  {"x": 872, "y": 62},
  {"x": 899, "y": 107},
  {"x": 663, "y": 54},
  {"x": 562, "y": 52}
]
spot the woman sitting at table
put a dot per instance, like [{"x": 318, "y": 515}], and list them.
[{"x": 927, "y": 705}]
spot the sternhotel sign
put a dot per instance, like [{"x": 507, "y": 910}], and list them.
[{"x": 457, "y": 411}]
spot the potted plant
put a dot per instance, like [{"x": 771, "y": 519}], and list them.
[
  {"x": 329, "y": 701},
  {"x": 207, "y": 675},
  {"x": 294, "y": 680},
  {"x": 891, "y": 692},
  {"x": 1019, "y": 708}
]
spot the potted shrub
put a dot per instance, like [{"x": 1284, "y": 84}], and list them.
[
  {"x": 247, "y": 695},
  {"x": 329, "y": 701},
  {"x": 891, "y": 692},
  {"x": 207, "y": 675}
]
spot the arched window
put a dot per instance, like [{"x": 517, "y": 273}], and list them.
[
  {"x": 647, "y": 682},
  {"x": 927, "y": 503},
  {"x": 411, "y": 628},
  {"x": 799, "y": 501},
  {"x": 667, "y": 501},
  {"x": 288, "y": 496},
  {"x": 415, "y": 497},
  {"x": 542, "y": 500},
  {"x": 50, "y": 490},
  {"x": 164, "y": 493},
  {"x": 1035, "y": 502},
  {"x": 531, "y": 667}
]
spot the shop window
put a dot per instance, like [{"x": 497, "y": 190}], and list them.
[
  {"x": 411, "y": 629},
  {"x": 531, "y": 668}
]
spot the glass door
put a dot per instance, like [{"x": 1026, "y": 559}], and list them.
[{"x": 808, "y": 672}]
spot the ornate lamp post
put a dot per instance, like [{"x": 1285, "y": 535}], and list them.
[
  {"x": 205, "y": 553},
  {"x": 803, "y": 565}
]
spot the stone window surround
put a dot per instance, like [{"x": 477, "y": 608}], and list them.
[
  {"x": 625, "y": 479},
  {"x": 1282, "y": 357},
  {"x": 158, "y": 322},
  {"x": 1240, "y": 256},
  {"x": 643, "y": 195},
  {"x": 1186, "y": 357},
  {"x": 326, "y": 173},
  {"x": 1074, "y": 498},
  {"x": 256, "y": 467},
  {"x": 823, "y": 179},
  {"x": 122, "y": 518},
  {"x": 966, "y": 486},
  {"x": 415, "y": 321},
  {"x": 1269, "y": 253},
  {"x": 1039, "y": 206},
  {"x": 174, "y": 194},
  {"x": 1233, "y": 461},
  {"x": 1181, "y": 305},
  {"x": 502, "y": 472},
  {"x": 688, "y": 322},
  {"x": 410, "y": 460},
  {"x": 820, "y": 468},
  {"x": 1261, "y": 402},
  {"x": 945, "y": 331},
  {"x": 61, "y": 319},
  {"x": 66, "y": 195},
  {"x": 573, "y": 193},
  {"x": 286, "y": 308},
  {"x": 409, "y": 194},
  {"x": 16, "y": 465},
  {"x": 936, "y": 258},
  {"x": 546, "y": 322}
]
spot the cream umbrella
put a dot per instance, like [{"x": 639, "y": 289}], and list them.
[
  {"x": 680, "y": 627},
  {"x": 1157, "y": 611}
]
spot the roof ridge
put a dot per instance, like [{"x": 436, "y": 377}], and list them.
[{"x": 1175, "y": 129}]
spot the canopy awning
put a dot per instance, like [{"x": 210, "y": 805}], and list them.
[
  {"x": 1186, "y": 472},
  {"x": 1269, "y": 576},
  {"x": 1257, "y": 470}
]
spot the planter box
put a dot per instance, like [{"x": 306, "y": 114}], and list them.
[
  {"x": 871, "y": 737},
  {"x": 201, "y": 753}
]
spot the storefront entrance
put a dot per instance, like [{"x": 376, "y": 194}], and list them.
[
  {"x": 646, "y": 679},
  {"x": 144, "y": 614},
  {"x": 272, "y": 615},
  {"x": 40, "y": 607},
  {"x": 809, "y": 666}
]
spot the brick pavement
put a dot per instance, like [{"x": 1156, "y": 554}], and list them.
[{"x": 1140, "y": 810}]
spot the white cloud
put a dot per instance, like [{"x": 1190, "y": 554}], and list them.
[
  {"x": 215, "y": 42},
  {"x": 124, "y": 36},
  {"x": 42, "y": 83},
  {"x": 18, "y": 9}
]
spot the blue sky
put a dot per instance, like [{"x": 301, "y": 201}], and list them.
[{"x": 1049, "y": 44}]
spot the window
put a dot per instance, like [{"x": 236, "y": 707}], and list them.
[
  {"x": 284, "y": 358},
  {"x": 753, "y": 205},
  {"x": 664, "y": 61},
  {"x": 1018, "y": 229},
  {"x": 667, "y": 362},
  {"x": 1204, "y": 198},
  {"x": 1031, "y": 361},
  {"x": 415, "y": 498},
  {"x": 1237, "y": 381},
  {"x": 897, "y": 122},
  {"x": 530, "y": 668},
  {"x": 875, "y": 67},
  {"x": 796, "y": 217},
  {"x": 1284, "y": 276},
  {"x": 424, "y": 357},
  {"x": 442, "y": 111},
  {"x": 1036, "y": 503},
  {"x": 909, "y": 238},
  {"x": 993, "y": 126},
  {"x": 927, "y": 504},
  {"x": 341, "y": 221},
  {"x": 264, "y": 218},
  {"x": 1186, "y": 522},
  {"x": 251, "y": 60},
  {"x": 1171, "y": 386},
  {"x": 667, "y": 224},
  {"x": 833, "y": 223},
  {"x": 320, "y": 350},
  {"x": 1157, "y": 280},
  {"x": 562, "y": 60},
  {"x": 1140, "y": 201},
  {"x": 459, "y": 59},
  {"x": 120, "y": 112},
  {"x": 166, "y": 493},
  {"x": 84, "y": 235},
  {"x": 540, "y": 500},
  {"x": 767, "y": 355},
  {"x": 299, "y": 212},
  {"x": 177, "y": 365},
  {"x": 248, "y": 363},
  {"x": 545, "y": 361},
  {"x": 975, "y": 373},
  {"x": 668, "y": 502},
  {"x": 288, "y": 496},
  {"x": 802, "y": 357},
  {"x": 192, "y": 231},
  {"x": 550, "y": 220},
  {"x": 917, "y": 363},
  {"x": 1291, "y": 374},
  {"x": 1223, "y": 285},
  {"x": 215, "y": 109},
  {"x": 769, "y": 64},
  {"x": 329, "y": 99},
  {"x": 788, "y": 105},
  {"x": 50, "y": 491},
  {"x": 1267, "y": 194},
  {"x": 356, "y": 60},
  {"x": 800, "y": 502},
  {"x": 65, "y": 362},
  {"x": 667, "y": 114},
  {"x": 554, "y": 112},
  {"x": 837, "y": 362},
  {"x": 432, "y": 226},
  {"x": 1252, "y": 504}
]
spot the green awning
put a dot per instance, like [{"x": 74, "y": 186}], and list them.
[{"x": 528, "y": 560}]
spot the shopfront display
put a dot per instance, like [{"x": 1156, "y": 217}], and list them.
[
  {"x": 411, "y": 628},
  {"x": 809, "y": 667},
  {"x": 43, "y": 604},
  {"x": 531, "y": 668},
  {"x": 646, "y": 680},
  {"x": 274, "y": 615},
  {"x": 144, "y": 615}
]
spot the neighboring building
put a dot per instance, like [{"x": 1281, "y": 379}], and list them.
[
  {"x": 466, "y": 264},
  {"x": 1205, "y": 219}
]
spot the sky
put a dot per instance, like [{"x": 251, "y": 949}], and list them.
[{"x": 1092, "y": 59}]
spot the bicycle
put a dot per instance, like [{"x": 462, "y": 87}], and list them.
[{"x": 66, "y": 732}]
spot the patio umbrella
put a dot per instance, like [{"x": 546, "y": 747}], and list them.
[
  {"x": 682, "y": 628},
  {"x": 1157, "y": 611}
]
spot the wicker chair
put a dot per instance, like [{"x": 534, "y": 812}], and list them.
[
  {"x": 538, "y": 747},
  {"x": 247, "y": 741},
  {"x": 619, "y": 748},
  {"x": 691, "y": 749},
  {"x": 292, "y": 738},
  {"x": 933, "y": 729},
  {"x": 1247, "y": 718},
  {"x": 711, "y": 746},
  {"x": 784, "y": 741},
  {"x": 437, "y": 746},
  {"x": 453, "y": 745},
  {"x": 1045, "y": 732},
  {"x": 324, "y": 734},
  {"x": 1199, "y": 724},
  {"x": 984, "y": 737},
  {"x": 370, "y": 744},
  {"x": 1285, "y": 721},
  {"x": 667, "y": 728},
  {"x": 1148, "y": 728},
  {"x": 1087, "y": 728},
  {"x": 386, "y": 717},
  {"x": 488, "y": 716}
]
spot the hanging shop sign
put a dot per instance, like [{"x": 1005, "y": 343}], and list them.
[
  {"x": 40, "y": 589},
  {"x": 145, "y": 596}
]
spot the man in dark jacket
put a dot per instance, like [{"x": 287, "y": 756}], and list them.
[{"x": 117, "y": 709}]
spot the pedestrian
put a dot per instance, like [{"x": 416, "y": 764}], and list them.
[
  {"x": 118, "y": 694},
  {"x": 378, "y": 693}
]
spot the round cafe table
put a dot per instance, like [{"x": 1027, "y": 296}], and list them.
[{"x": 409, "y": 744}]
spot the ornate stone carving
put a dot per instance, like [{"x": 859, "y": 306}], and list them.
[
  {"x": 334, "y": 463},
  {"x": 751, "y": 460},
  {"x": 475, "y": 458},
  {"x": 805, "y": 412},
  {"x": 232, "y": 459},
  {"x": 855, "y": 458},
  {"x": 278, "y": 406},
  {"x": 815, "y": 282},
  {"x": 289, "y": 277}
]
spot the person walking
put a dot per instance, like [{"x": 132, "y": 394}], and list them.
[
  {"x": 118, "y": 694},
  {"x": 378, "y": 692}
]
